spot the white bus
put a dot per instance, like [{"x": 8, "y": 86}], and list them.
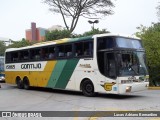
[{"x": 102, "y": 63}]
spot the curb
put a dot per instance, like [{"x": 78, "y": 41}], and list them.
[{"x": 153, "y": 88}]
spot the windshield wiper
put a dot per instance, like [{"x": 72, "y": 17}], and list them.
[{"x": 131, "y": 66}]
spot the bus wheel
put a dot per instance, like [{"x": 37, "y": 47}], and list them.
[
  {"x": 88, "y": 88},
  {"x": 26, "y": 83},
  {"x": 19, "y": 83}
]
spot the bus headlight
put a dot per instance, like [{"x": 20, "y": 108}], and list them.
[
  {"x": 147, "y": 85},
  {"x": 128, "y": 88}
]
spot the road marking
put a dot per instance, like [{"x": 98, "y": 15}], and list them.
[{"x": 154, "y": 119}]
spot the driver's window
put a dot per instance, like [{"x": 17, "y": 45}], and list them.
[{"x": 111, "y": 66}]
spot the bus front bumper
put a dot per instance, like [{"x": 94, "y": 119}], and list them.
[{"x": 134, "y": 87}]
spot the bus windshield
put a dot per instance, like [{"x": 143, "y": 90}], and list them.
[
  {"x": 128, "y": 43},
  {"x": 132, "y": 63},
  {"x": 120, "y": 56}
]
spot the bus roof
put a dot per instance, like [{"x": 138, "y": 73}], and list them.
[
  {"x": 116, "y": 35},
  {"x": 67, "y": 40}
]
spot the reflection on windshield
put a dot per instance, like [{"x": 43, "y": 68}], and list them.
[
  {"x": 128, "y": 43},
  {"x": 132, "y": 63}
]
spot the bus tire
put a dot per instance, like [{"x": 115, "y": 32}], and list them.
[
  {"x": 88, "y": 88},
  {"x": 19, "y": 83},
  {"x": 26, "y": 83}
]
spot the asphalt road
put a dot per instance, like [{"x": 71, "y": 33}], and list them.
[{"x": 40, "y": 99}]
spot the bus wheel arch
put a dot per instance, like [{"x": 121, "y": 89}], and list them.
[
  {"x": 19, "y": 82},
  {"x": 26, "y": 83},
  {"x": 87, "y": 87}
]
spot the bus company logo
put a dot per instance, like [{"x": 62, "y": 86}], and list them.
[
  {"x": 85, "y": 65},
  {"x": 10, "y": 67},
  {"x": 31, "y": 66}
]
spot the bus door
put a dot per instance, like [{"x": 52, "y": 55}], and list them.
[{"x": 110, "y": 65}]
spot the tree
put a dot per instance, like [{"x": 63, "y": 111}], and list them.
[
  {"x": 18, "y": 44},
  {"x": 57, "y": 34},
  {"x": 76, "y": 8},
  {"x": 95, "y": 31},
  {"x": 2, "y": 48},
  {"x": 151, "y": 39},
  {"x": 158, "y": 12}
]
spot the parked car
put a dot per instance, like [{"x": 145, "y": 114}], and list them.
[{"x": 2, "y": 77}]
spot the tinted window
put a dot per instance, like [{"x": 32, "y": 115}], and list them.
[
  {"x": 84, "y": 49},
  {"x": 61, "y": 51},
  {"x": 105, "y": 43},
  {"x": 35, "y": 54},
  {"x": 79, "y": 49},
  {"x": 68, "y": 50},
  {"x": 51, "y": 52}
]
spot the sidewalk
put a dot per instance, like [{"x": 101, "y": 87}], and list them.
[{"x": 153, "y": 88}]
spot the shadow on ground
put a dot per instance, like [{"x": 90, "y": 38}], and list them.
[
  {"x": 78, "y": 93},
  {"x": 5, "y": 86}
]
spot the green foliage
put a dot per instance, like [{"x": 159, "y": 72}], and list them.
[
  {"x": 18, "y": 44},
  {"x": 94, "y": 31},
  {"x": 151, "y": 40},
  {"x": 57, "y": 34},
  {"x": 60, "y": 34},
  {"x": 2, "y": 48}
]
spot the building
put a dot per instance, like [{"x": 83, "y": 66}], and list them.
[
  {"x": 6, "y": 41},
  {"x": 56, "y": 27},
  {"x": 38, "y": 34},
  {"x": 35, "y": 34}
]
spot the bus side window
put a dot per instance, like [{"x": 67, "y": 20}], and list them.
[
  {"x": 79, "y": 49},
  {"x": 88, "y": 48},
  {"x": 68, "y": 50},
  {"x": 51, "y": 53},
  {"x": 105, "y": 43},
  {"x": 20, "y": 56},
  {"x": 43, "y": 53},
  {"x": 35, "y": 54},
  {"x": 8, "y": 57},
  {"x": 26, "y": 55},
  {"x": 15, "y": 56},
  {"x": 60, "y": 50}
]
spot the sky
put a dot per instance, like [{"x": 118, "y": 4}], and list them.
[{"x": 16, "y": 16}]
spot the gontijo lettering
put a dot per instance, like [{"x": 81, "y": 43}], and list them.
[{"x": 31, "y": 66}]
